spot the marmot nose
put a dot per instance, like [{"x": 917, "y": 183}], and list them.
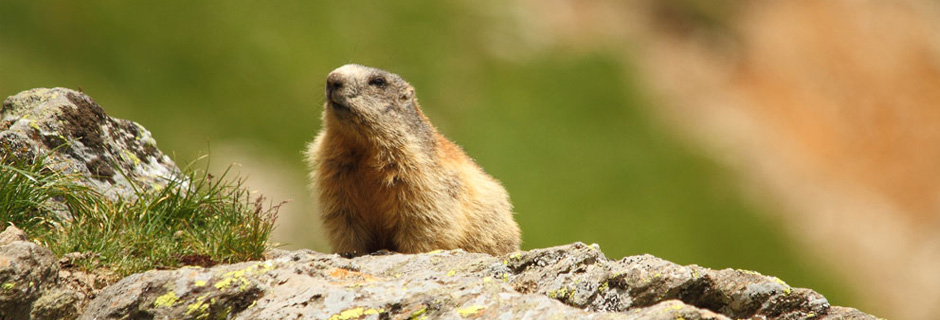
[{"x": 333, "y": 81}]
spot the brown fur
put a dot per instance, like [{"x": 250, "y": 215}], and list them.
[{"x": 386, "y": 179}]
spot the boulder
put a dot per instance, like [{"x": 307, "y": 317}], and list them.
[
  {"x": 27, "y": 270},
  {"x": 114, "y": 156},
  {"x": 35, "y": 285}
]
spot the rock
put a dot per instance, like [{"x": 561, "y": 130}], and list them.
[
  {"x": 11, "y": 234},
  {"x": 113, "y": 155},
  {"x": 581, "y": 276},
  {"x": 57, "y": 303},
  {"x": 567, "y": 282},
  {"x": 26, "y": 271},
  {"x": 34, "y": 285}
]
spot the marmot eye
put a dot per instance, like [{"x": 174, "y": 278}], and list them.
[{"x": 377, "y": 81}]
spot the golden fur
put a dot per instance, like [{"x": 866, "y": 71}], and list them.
[{"x": 386, "y": 179}]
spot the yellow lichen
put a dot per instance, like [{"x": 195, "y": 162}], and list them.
[
  {"x": 198, "y": 308},
  {"x": 32, "y": 124},
  {"x": 240, "y": 276},
  {"x": 787, "y": 289},
  {"x": 199, "y": 283},
  {"x": 418, "y": 314},
  {"x": 348, "y": 314},
  {"x": 7, "y": 286},
  {"x": 373, "y": 311},
  {"x": 470, "y": 310},
  {"x": 127, "y": 155},
  {"x": 228, "y": 278},
  {"x": 749, "y": 272},
  {"x": 487, "y": 279},
  {"x": 561, "y": 293},
  {"x": 451, "y": 273},
  {"x": 165, "y": 301},
  {"x": 224, "y": 283},
  {"x": 139, "y": 129},
  {"x": 604, "y": 286},
  {"x": 436, "y": 251}
]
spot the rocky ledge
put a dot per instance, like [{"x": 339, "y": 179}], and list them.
[{"x": 574, "y": 281}]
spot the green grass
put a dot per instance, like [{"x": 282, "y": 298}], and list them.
[{"x": 204, "y": 221}]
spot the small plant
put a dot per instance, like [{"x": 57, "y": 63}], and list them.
[{"x": 201, "y": 220}]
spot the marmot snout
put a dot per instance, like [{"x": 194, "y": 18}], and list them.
[{"x": 386, "y": 179}]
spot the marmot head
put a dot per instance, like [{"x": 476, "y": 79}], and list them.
[{"x": 373, "y": 103}]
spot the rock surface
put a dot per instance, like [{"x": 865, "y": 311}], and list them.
[
  {"x": 27, "y": 270},
  {"x": 34, "y": 285},
  {"x": 115, "y": 155},
  {"x": 568, "y": 282}
]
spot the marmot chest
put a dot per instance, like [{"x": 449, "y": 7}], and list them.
[{"x": 377, "y": 195}]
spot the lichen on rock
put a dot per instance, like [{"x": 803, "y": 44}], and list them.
[
  {"x": 28, "y": 279},
  {"x": 115, "y": 156},
  {"x": 573, "y": 281}
]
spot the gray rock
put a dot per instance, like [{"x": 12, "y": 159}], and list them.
[
  {"x": 58, "y": 303},
  {"x": 115, "y": 155},
  {"x": 26, "y": 271},
  {"x": 33, "y": 284},
  {"x": 567, "y": 282},
  {"x": 579, "y": 275},
  {"x": 11, "y": 234}
]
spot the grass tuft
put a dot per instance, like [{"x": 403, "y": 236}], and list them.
[{"x": 201, "y": 220}]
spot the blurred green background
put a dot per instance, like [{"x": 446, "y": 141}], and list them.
[{"x": 569, "y": 132}]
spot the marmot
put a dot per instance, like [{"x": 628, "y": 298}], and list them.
[{"x": 386, "y": 179}]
